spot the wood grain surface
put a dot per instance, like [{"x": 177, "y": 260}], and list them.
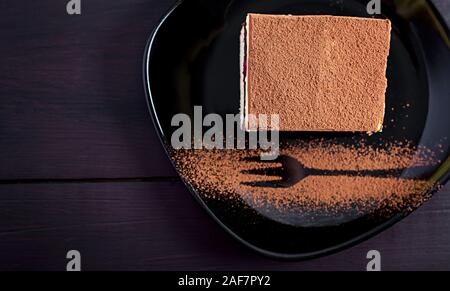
[
  {"x": 81, "y": 166},
  {"x": 72, "y": 100}
]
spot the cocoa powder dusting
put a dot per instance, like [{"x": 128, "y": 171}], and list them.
[
  {"x": 221, "y": 174},
  {"x": 319, "y": 73}
]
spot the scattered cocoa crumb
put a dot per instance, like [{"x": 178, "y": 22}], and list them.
[{"x": 220, "y": 174}]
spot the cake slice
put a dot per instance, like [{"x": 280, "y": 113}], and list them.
[{"x": 318, "y": 73}]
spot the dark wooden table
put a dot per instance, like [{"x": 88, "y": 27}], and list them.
[{"x": 81, "y": 166}]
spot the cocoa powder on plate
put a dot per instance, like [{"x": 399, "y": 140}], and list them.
[{"x": 220, "y": 174}]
